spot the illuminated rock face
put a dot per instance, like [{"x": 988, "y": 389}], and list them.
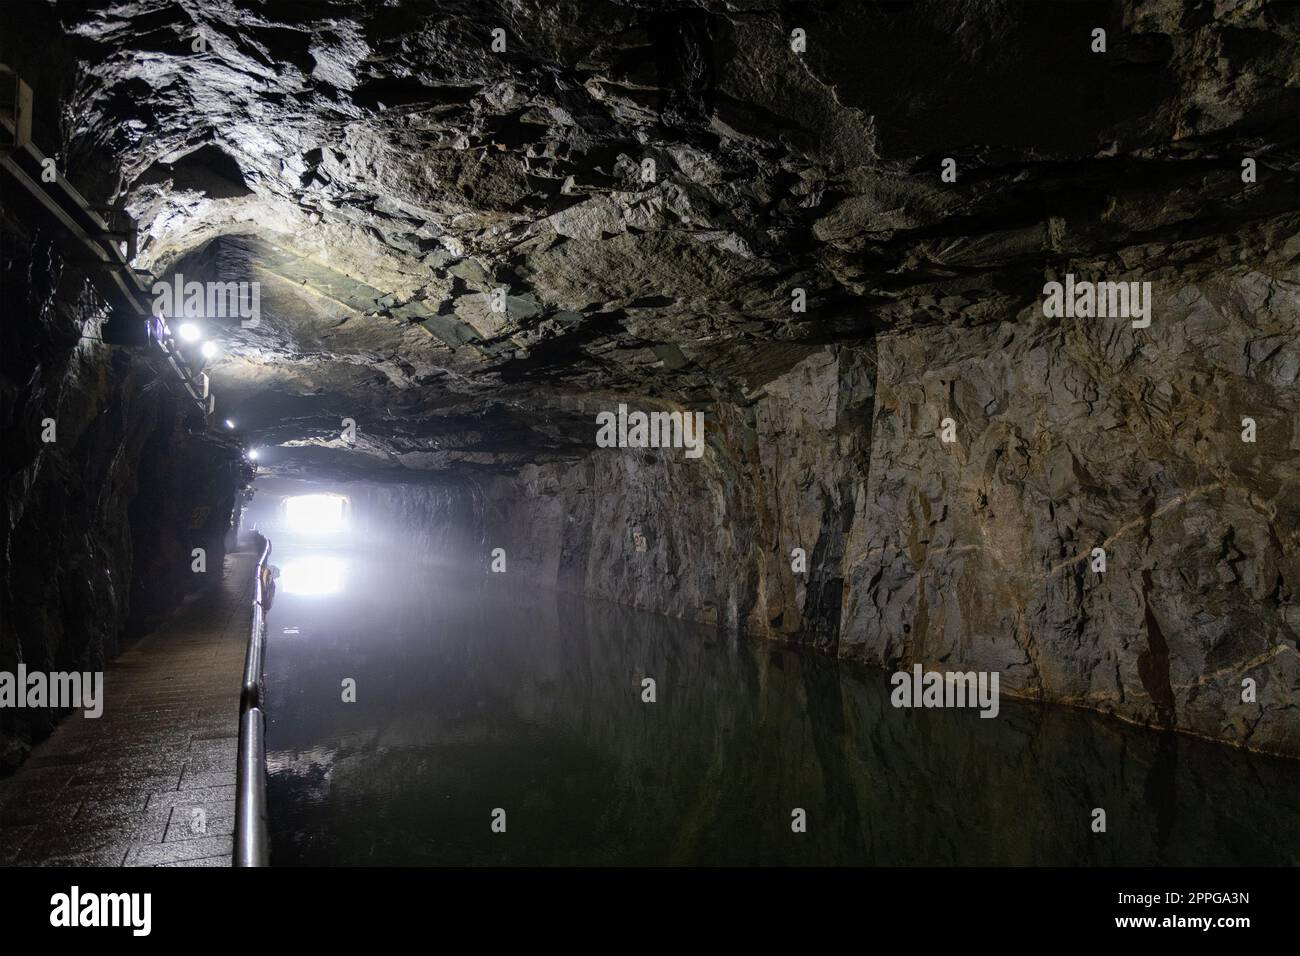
[
  {"x": 471, "y": 253},
  {"x": 980, "y": 553}
]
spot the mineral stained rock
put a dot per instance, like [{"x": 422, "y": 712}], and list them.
[{"x": 650, "y": 189}]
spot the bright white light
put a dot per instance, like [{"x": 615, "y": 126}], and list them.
[
  {"x": 311, "y": 576},
  {"x": 252, "y": 455},
  {"x": 316, "y": 514},
  {"x": 189, "y": 332},
  {"x": 229, "y": 423},
  {"x": 210, "y": 349}
]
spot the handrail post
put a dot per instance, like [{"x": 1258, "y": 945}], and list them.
[{"x": 250, "y": 841}]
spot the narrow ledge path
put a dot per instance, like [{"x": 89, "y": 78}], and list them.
[{"x": 151, "y": 782}]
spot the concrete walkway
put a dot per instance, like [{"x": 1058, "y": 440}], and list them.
[{"x": 152, "y": 781}]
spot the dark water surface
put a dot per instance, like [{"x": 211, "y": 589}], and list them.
[{"x": 475, "y": 695}]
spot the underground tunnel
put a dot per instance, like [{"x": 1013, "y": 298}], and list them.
[{"x": 650, "y": 434}]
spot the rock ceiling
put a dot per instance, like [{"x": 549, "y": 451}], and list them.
[{"x": 648, "y": 182}]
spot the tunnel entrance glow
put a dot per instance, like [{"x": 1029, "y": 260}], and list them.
[{"x": 315, "y": 514}]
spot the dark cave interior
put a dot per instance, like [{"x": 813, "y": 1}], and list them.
[{"x": 474, "y": 227}]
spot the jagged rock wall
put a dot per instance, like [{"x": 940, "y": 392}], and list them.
[
  {"x": 396, "y": 171},
  {"x": 784, "y": 472},
  {"x": 97, "y": 526},
  {"x": 1078, "y": 434},
  {"x": 1070, "y": 435}
]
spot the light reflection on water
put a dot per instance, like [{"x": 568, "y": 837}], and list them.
[
  {"x": 473, "y": 695},
  {"x": 312, "y": 575}
]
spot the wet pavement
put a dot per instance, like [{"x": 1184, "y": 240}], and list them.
[{"x": 152, "y": 781}]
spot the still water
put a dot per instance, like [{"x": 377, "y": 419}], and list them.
[{"x": 474, "y": 695}]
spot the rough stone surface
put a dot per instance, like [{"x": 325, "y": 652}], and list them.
[
  {"x": 98, "y": 526},
  {"x": 382, "y": 172},
  {"x": 396, "y": 170},
  {"x": 1073, "y": 437},
  {"x": 719, "y": 531}
]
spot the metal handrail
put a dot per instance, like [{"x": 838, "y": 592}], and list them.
[
  {"x": 250, "y": 843},
  {"x": 116, "y": 280}
]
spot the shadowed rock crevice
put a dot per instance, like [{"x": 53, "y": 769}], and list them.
[{"x": 1153, "y": 663}]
